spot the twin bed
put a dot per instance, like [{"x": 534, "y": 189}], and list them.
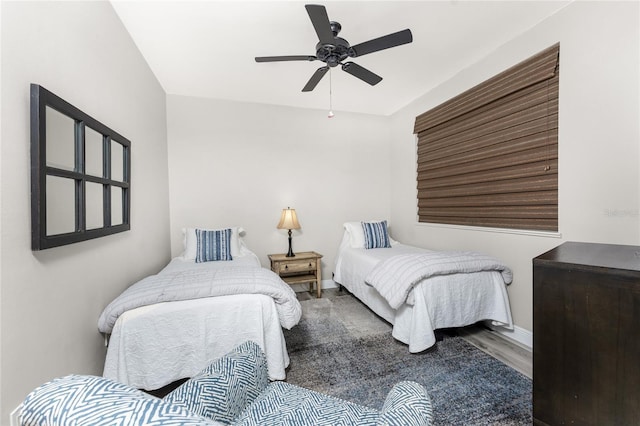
[
  {"x": 167, "y": 326},
  {"x": 418, "y": 290}
]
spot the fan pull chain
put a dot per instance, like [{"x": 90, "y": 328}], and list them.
[{"x": 330, "y": 97}]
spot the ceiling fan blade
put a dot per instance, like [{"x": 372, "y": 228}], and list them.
[
  {"x": 362, "y": 73},
  {"x": 381, "y": 43},
  {"x": 285, "y": 58},
  {"x": 315, "y": 79},
  {"x": 320, "y": 21}
]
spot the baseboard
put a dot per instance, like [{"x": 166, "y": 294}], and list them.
[
  {"x": 329, "y": 284},
  {"x": 518, "y": 334},
  {"x": 305, "y": 287}
]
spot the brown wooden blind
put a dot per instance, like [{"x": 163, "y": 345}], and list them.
[{"x": 489, "y": 156}]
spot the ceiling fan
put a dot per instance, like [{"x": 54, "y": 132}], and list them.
[{"x": 333, "y": 50}]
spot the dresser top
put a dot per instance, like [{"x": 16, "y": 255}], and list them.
[{"x": 595, "y": 255}]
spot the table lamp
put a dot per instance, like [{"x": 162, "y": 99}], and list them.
[{"x": 289, "y": 220}]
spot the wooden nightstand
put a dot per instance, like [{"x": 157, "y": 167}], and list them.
[{"x": 303, "y": 268}]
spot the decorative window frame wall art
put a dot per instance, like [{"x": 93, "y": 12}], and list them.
[{"x": 80, "y": 174}]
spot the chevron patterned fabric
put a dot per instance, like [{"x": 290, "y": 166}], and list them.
[
  {"x": 233, "y": 390},
  {"x": 96, "y": 401},
  {"x": 286, "y": 404},
  {"x": 407, "y": 403},
  {"x": 223, "y": 389}
]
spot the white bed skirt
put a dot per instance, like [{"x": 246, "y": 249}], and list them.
[{"x": 155, "y": 345}]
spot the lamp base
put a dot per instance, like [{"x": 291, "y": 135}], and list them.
[{"x": 290, "y": 253}]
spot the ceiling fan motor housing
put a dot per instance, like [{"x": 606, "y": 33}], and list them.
[{"x": 333, "y": 54}]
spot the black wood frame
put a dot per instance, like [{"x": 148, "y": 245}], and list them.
[{"x": 41, "y": 98}]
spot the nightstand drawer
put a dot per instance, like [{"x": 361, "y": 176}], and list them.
[{"x": 297, "y": 266}]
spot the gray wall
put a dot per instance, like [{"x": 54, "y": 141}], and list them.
[
  {"x": 50, "y": 300},
  {"x": 240, "y": 164}
]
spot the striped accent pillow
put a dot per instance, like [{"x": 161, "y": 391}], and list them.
[
  {"x": 376, "y": 235},
  {"x": 213, "y": 245}
]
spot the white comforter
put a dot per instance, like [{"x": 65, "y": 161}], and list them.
[
  {"x": 201, "y": 283},
  {"x": 396, "y": 276},
  {"x": 154, "y": 345}
]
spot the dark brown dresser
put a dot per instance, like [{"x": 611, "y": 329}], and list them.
[{"x": 586, "y": 335}]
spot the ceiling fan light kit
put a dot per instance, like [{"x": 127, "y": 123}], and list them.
[{"x": 333, "y": 50}]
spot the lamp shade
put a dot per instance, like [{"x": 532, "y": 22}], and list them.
[{"x": 288, "y": 219}]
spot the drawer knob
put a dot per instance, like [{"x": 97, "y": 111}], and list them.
[
  {"x": 286, "y": 266},
  {"x": 309, "y": 264}
]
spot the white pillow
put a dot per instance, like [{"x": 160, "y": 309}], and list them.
[
  {"x": 190, "y": 242},
  {"x": 356, "y": 233}
]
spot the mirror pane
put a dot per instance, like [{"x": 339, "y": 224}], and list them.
[
  {"x": 60, "y": 151},
  {"x": 116, "y": 206},
  {"x": 93, "y": 152},
  {"x": 117, "y": 161},
  {"x": 61, "y": 203},
  {"x": 94, "y": 206}
]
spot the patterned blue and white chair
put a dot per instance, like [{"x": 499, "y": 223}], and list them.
[{"x": 233, "y": 390}]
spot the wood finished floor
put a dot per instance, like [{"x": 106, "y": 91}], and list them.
[{"x": 511, "y": 353}]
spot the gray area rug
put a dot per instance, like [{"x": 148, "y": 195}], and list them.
[{"x": 342, "y": 349}]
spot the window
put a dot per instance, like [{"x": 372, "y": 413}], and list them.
[
  {"x": 80, "y": 174},
  {"x": 489, "y": 156}
]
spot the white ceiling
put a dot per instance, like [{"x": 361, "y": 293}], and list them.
[{"x": 207, "y": 48}]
